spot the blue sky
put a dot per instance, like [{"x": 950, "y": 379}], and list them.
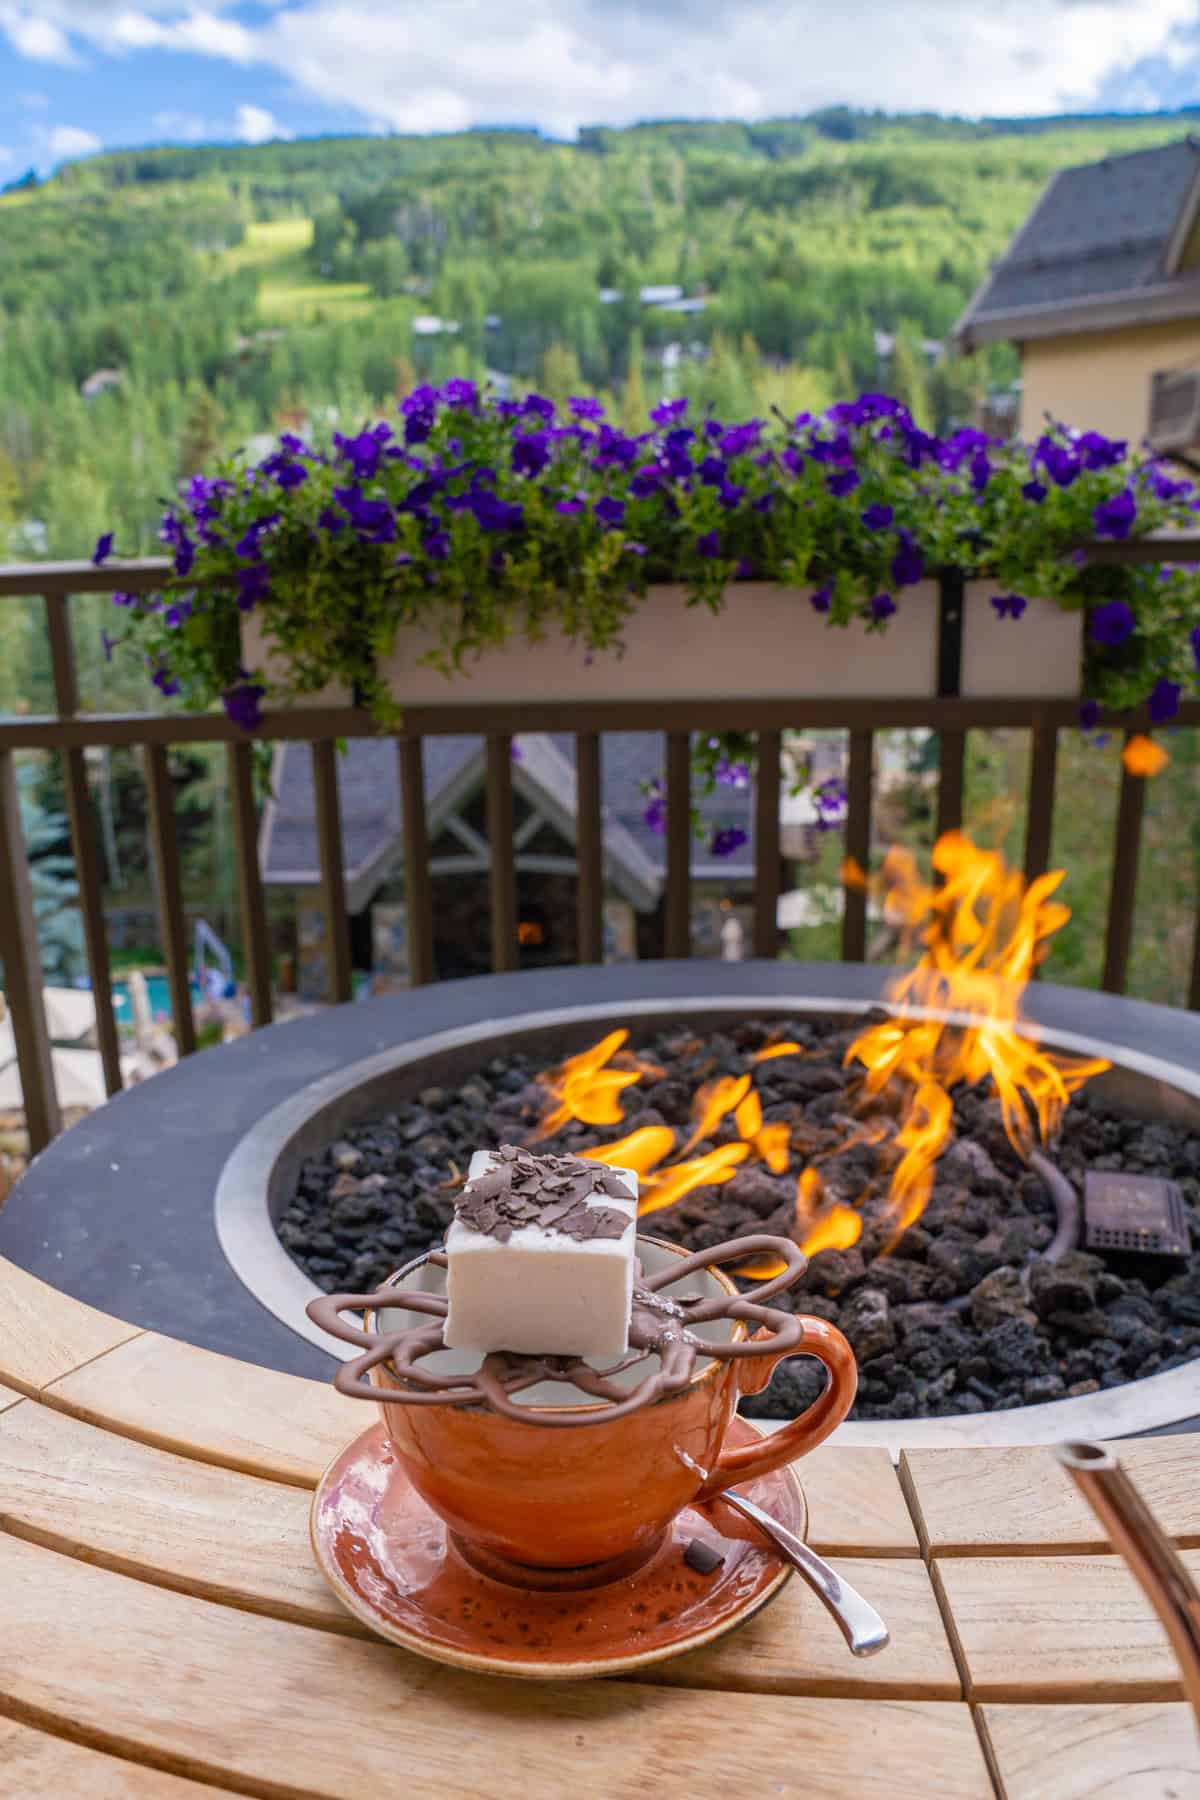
[{"x": 78, "y": 75}]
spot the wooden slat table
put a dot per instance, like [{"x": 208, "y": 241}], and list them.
[{"x": 164, "y": 1632}]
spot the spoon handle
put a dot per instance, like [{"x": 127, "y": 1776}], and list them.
[{"x": 859, "y": 1623}]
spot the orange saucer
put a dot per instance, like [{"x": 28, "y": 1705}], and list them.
[{"x": 388, "y": 1558}]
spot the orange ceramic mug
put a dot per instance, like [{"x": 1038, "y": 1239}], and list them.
[{"x": 523, "y": 1496}]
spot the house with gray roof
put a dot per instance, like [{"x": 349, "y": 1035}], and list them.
[
  {"x": 544, "y": 815},
  {"x": 1100, "y": 291}
]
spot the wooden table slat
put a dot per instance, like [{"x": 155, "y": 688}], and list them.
[
  {"x": 1093, "y": 1752},
  {"x": 214, "y": 1408},
  {"x": 36, "y": 1763},
  {"x": 1057, "y": 1628},
  {"x": 145, "y": 1512},
  {"x": 280, "y": 1710},
  {"x": 44, "y": 1334},
  {"x": 1018, "y": 1501},
  {"x": 242, "y": 1541}
]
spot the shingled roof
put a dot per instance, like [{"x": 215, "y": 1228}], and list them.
[
  {"x": 1101, "y": 248},
  {"x": 544, "y": 770}
]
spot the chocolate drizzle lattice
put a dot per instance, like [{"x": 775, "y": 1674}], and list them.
[
  {"x": 662, "y": 1326},
  {"x": 551, "y": 1192}
]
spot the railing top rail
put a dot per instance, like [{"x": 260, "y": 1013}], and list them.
[{"x": 141, "y": 575}]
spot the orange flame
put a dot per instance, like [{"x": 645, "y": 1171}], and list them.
[
  {"x": 774, "y": 1050},
  {"x": 978, "y": 931},
  {"x": 983, "y": 931},
  {"x": 584, "y": 1089},
  {"x": 709, "y": 1170},
  {"x": 715, "y": 1099},
  {"x": 640, "y": 1151}
]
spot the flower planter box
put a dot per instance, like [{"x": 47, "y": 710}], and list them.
[{"x": 767, "y": 643}]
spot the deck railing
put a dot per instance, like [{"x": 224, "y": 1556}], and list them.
[{"x": 70, "y": 733}]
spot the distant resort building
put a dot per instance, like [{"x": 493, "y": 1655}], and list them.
[
  {"x": 1100, "y": 291},
  {"x": 544, "y": 801}
]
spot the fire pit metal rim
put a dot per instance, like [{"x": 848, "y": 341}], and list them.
[{"x": 246, "y": 1234}]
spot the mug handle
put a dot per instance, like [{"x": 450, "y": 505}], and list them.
[{"x": 826, "y": 1343}]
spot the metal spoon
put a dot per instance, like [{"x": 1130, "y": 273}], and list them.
[{"x": 858, "y": 1622}]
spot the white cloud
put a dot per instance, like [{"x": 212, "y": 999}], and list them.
[
  {"x": 255, "y": 125},
  {"x": 38, "y": 38},
  {"x": 65, "y": 141},
  {"x": 190, "y": 127},
  {"x": 562, "y": 63},
  {"x": 6, "y": 155}
]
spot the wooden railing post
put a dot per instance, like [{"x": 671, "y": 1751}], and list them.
[
  {"x": 1127, "y": 844},
  {"x": 251, "y": 901},
  {"x": 501, "y": 860},
  {"x": 858, "y": 844},
  {"x": 766, "y": 844},
  {"x": 164, "y": 846},
  {"x": 23, "y": 967},
  {"x": 83, "y": 843},
  {"x": 677, "y": 923},
  {"x": 333, "y": 881},
  {"x": 589, "y": 847},
  {"x": 417, "y": 887}
]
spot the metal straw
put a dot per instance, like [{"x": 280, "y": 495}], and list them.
[{"x": 1147, "y": 1549}]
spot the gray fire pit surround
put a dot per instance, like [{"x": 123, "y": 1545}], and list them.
[{"x": 134, "y": 1209}]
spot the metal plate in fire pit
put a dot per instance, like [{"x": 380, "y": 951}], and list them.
[{"x": 1139, "y": 1213}]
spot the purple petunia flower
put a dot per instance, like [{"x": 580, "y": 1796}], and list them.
[
  {"x": 123, "y": 599},
  {"x": 632, "y": 548},
  {"x": 493, "y": 514},
  {"x": 881, "y": 608},
  {"x": 1089, "y": 715},
  {"x": 176, "y": 614},
  {"x": 741, "y": 438},
  {"x": 458, "y": 392},
  {"x": 419, "y": 410},
  {"x": 709, "y": 544},
  {"x": 1009, "y": 606},
  {"x": 574, "y": 503},
  {"x": 372, "y": 519},
  {"x": 243, "y": 704},
  {"x": 1112, "y": 623},
  {"x": 1095, "y": 451},
  {"x": 821, "y": 599},
  {"x": 539, "y": 407},
  {"x": 1163, "y": 488},
  {"x": 330, "y": 521},
  {"x": 668, "y": 412},
  {"x": 103, "y": 549},
  {"x": 1115, "y": 518},
  {"x": 734, "y": 775},
  {"x": 436, "y": 545},
  {"x": 745, "y": 569},
  {"x": 185, "y": 554},
  {"x": 843, "y": 481},
  {"x": 1061, "y": 464},
  {"x": 108, "y": 645},
  {"x": 163, "y": 679},
  {"x": 981, "y": 472},
  {"x": 730, "y": 494},
  {"x": 254, "y": 584},
  {"x": 831, "y": 800},
  {"x": 582, "y": 406},
  {"x": 531, "y": 453},
  {"x": 610, "y": 511},
  {"x": 878, "y": 517},
  {"x": 728, "y": 839},
  {"x": 655, "y": 814},
  {"x": 908, "y": 564},
  {"x": 1164, "y": 701},
  {"x": 291, "y": 475},
  {"x": 1035, "y": 491},
  {"x": 1195, "y": 639}
]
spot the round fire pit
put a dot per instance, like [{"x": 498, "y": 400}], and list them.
[{"x": 120, "y": 1211}]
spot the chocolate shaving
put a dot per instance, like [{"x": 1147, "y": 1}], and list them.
[
  {"x": 554, "y": 1193},
  {"x": 702, "y": 1557}
]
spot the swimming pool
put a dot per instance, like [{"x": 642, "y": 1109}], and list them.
[{"x": 159, "y": 993}]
